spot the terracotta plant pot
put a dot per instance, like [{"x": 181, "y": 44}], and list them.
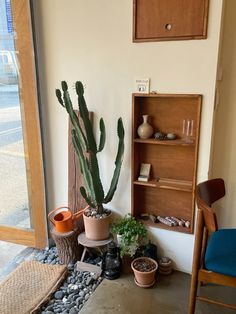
[
  {"x": 97, "y": 228},
  {"x": 144, "y": 269}
]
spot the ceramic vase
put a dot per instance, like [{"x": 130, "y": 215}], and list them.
[{"x": 145, "y": 130}]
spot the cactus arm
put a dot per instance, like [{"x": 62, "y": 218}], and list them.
[
  {"x": 75, "y": 120},
  {"x": 102, "y": 135},
  {"x": 97, "y": 184},
  {"x": 118, "y": 162},
  {"x": 86, "y": 197},
  {"x": 84, "y": 166},
  {"x": 59, "y": 97},
  {"x": 92, "y": 146}
]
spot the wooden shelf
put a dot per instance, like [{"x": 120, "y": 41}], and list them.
[
  {"x": 168, "y": 184},
  {"x": 160, "y": 225},
  {"x": 170, "y": 189},
  {"x": 178, "y": 142}
]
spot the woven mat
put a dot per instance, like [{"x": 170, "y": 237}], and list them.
[{"x": 29, "y": 286}]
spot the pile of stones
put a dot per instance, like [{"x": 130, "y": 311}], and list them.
[{"x": 74, "y": 291}]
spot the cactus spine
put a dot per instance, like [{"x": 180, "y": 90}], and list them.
[{"x": 86, "y": 148}]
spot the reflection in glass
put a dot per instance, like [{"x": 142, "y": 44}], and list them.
[{"x": 14, "y": 204}]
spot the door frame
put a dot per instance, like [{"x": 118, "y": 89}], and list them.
[{"x": 36, "y": 237}]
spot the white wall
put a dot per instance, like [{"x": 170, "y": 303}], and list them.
[
  {"x": 91, "y": 41},
  {"x": 224, "y": 148}
]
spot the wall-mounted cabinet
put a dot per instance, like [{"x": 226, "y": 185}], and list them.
[
  {"x": 170, "y": 188},
  {"x": 155, "y": 20}
]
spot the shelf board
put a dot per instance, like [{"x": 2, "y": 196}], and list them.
[
  {"x": 153, "y": 141},
  {"x": 160, "y": 225},
  {"x": 169, "y": 184}
]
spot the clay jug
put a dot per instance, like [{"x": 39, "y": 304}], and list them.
[{"x": 145, "y": 130}]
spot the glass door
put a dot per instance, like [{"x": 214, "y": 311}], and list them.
[{"x": 22, "y": 204}]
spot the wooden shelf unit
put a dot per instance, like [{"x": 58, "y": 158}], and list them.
[{"x": 170, "y": 189}]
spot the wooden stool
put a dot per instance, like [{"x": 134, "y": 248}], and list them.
[
  {"x": 87, "y": 243},
  {"x": 67, "y": 245}
]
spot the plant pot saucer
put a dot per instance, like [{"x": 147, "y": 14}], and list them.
[{"x": 144, "y": 286}]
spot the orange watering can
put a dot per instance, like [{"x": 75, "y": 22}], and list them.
[{"x": 63, "y": 219}]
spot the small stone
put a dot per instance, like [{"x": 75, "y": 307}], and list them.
[
  {"x": 73, "y": 311},
  {"x": 72, "y": 304},
  {"x": 70, "y": 266},
  {"x": 78, "y": 300},
  {"x": 60, "y": 310},
  {"x": 75, "y": 287},
  {"x": 89, "y": 281},
  {"x": 81, "y": 293},
  {"x": 87, "y": 296},
  {"x": 49, "y": 312},
  {"x": 40, "y": 257},
  {"x": 59, "y": 295},
  {"x": 153, "y": 218}
]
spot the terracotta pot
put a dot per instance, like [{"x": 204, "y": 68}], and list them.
[
  {"x": 97, "y": 228},
  {"x": 144, "y": 279}
]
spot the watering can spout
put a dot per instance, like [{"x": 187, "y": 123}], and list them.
[{"x": 77, "y": 215}]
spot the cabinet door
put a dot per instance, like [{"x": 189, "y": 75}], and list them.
[{"x": 169, "y": 20}]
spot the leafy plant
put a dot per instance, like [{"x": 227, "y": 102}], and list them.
[
  {"x": 132, "y": 234},
  {"x": 86, "y": 148}
]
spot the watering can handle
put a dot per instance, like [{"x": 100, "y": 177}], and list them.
[
  {"x": 54, "y": 210},
  {"x": 80, "y": 212}
]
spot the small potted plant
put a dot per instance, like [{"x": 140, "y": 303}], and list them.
[
  {"x": 131, "y": 234},
  {"x": 96, "y": 217},
  {"x": 144, "y": 269}
]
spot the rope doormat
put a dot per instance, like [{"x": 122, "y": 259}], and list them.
[{"x": 29, "y": 286}]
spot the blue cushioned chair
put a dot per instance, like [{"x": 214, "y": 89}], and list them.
[{"x": 214, "y": 257}]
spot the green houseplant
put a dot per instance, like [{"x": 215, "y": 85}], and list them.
[
  {"x": 132, "y": 232},
  {"x": 87, "y": 149}
]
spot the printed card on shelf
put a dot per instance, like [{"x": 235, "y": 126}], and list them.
[{"x": 144, "y": 172}]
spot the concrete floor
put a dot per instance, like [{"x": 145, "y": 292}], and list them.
[{"x": 168, "y": 296}]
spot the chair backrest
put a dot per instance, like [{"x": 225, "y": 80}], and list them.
[{"x": 207, "y": 193}]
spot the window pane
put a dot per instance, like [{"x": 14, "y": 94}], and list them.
[{"x": 14, "y": 203}]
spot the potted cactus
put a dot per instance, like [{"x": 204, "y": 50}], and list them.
[{"x": 96, "y": 217}]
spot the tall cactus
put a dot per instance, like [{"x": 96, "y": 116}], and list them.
[{"x": 86, "y": 148}]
